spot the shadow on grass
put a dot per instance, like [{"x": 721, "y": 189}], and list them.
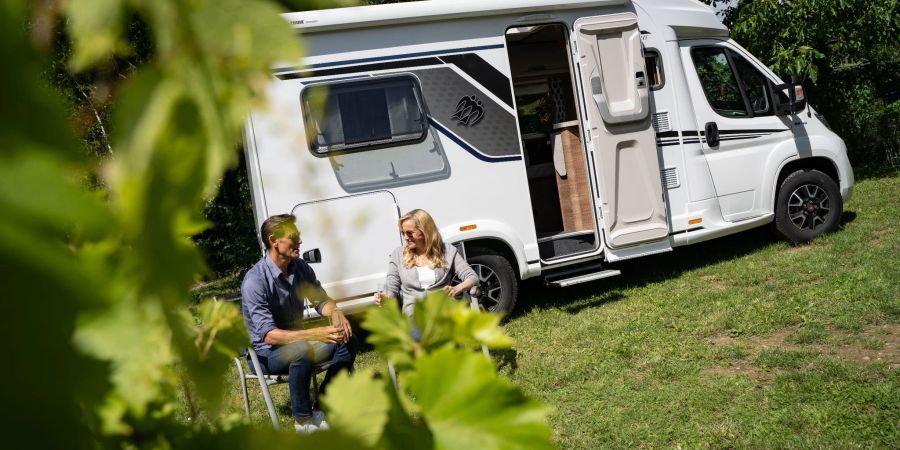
[
  {"x": 847, "y": 217},
  {"x": 643, "y": 271},
  {"x": 506, "y": 358}
]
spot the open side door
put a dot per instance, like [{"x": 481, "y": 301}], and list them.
[{"x": 616, "y": 93}]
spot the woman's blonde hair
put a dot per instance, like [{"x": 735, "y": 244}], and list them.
[{"x": 434, "y": 244}]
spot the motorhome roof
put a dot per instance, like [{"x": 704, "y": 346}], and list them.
[
  {"x": 425, "y": 11},
  {"x": 680, "y": 14}
]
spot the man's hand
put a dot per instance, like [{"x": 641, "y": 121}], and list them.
[
  {"x": 328, "y": 335},
  {"x": 339, "y": 321}
]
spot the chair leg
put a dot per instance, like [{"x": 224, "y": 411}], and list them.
[
  {"x": 242, "y": 375},
  {"x": 476, "y": 305},
  {"x": 315, "y": 390},
  {"x": 264, "y": 386},
  {"x": 393, "y": 374}
]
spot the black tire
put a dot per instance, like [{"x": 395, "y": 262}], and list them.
[
  {"x": 499, "y": 283},
  {"x": 809, "y": 204}
]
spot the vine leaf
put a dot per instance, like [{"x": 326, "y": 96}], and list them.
[
  {"x": 389, "y": 333},
  {"x": 357, "y": 405},
  {"x": 467, "y": 405},
  {"x": 444, "y": 320}
]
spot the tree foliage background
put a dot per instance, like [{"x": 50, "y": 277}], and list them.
[{"x": 847, "y": 52}]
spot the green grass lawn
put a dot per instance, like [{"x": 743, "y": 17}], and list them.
[{"x": 739, "y": 342}]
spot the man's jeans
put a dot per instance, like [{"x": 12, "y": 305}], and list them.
[{"x": 297, "y": 360}]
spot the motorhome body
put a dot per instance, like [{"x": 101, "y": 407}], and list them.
[{"x": 546, "y": 138}]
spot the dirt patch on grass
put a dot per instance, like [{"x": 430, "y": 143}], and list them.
[
  {"x": 714, "y": 282},
  {"x": 875, "y": 344}
]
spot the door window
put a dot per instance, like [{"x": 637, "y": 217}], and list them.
[
  {"x": 718, "y": 81},
  {"x": 732, "y": 85},
  {"x": 755, "y": 86}
]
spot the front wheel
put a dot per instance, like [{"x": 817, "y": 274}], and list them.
[
  {"x": 809, "y": 204},
  {"x": 499, "y": 284}
]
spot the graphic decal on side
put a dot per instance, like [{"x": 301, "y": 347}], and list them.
[
  {"x": 468, "y": 111},
  {"x": 695, "y": 137}
]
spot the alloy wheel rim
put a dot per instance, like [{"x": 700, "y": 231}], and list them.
[
  {"x": 809, "y": 207},
  {"x": 490, "y": 287}
]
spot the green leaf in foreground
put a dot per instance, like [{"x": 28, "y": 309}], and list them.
[
  {"x": 467, "y": 405},
  {"x": 357, "y": 405},
  {"x": 389, "y": 330},
  {"x": 444, "y": 320}
]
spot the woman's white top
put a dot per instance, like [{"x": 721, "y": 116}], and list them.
[{"x": 426, "y": 276}]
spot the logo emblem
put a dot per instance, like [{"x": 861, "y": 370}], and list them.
[{"x": 468, "y": 111}]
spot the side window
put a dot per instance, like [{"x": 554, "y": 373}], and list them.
[
  {"x": 755, "y": 85},
  {"x": 654, "y": 69},
  {"x": 718, "y": 81},
  {"x": 353, "y": 115}
]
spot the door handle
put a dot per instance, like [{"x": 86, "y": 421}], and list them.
[{"x": 712, "y": 134}]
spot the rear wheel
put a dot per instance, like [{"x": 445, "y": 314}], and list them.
[
  {"x": 809, "y": 204},
  {"x": 499, "y": 284}
]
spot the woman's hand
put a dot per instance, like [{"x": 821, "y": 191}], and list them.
[
  {"x": 455, "y": 291},
  {"x": 378, "y": 297}
]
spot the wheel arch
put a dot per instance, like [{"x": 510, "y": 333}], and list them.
[
  {"x": 820, "y": 163},
  {"x": 491, "y": 235}
]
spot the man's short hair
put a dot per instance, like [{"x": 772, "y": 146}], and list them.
[{"x": 275, "y": 226}]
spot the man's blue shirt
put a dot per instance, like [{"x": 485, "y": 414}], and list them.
[{"x": 270, "y": 300}]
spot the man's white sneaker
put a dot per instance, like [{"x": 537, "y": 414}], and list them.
[
  {"x": 318, "y": 418},
  {"x": 306, "y": 427}
]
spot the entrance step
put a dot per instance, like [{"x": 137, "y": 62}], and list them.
[{"x": 583, "y": 278}]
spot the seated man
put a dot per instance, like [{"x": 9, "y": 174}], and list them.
[{"x": 272, "y": 302}]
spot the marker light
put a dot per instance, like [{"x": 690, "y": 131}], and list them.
[
  {"x": 468, "y": 227},
  {"x": 695, "y": 221}
]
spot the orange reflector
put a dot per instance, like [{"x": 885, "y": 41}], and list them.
[
  {"x": 694, "y": 221},
  {"x": 468, "y": 227}
]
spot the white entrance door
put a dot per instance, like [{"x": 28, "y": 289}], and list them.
[
  {"x": 356, "y": 235},
  {"x": 736, "y": 122},
  {"x": 616, "y": 93}
]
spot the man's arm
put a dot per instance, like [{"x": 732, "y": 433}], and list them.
[
  {"x": 263, "y": 323},
  {"x": 327, "y": 334},
  {"x": 312, "y": 289}
]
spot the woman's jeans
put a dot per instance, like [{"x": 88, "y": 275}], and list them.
[{"x": 298, "y": 359}]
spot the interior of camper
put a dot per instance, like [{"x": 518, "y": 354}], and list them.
[{"x": 553, "y": 151}]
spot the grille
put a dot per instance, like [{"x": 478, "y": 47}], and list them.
[
  {"x": 670, "y": 177},
  {"x": 660, "y": 121}
]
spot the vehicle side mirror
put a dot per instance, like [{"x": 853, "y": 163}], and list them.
[
  {"x": 796, "y": 98},
  {"x": 312, "y": 256}
]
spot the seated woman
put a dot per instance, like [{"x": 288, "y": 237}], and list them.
[{"x": 424, "y": 264}]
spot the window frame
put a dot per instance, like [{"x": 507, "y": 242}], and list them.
[
  {"x": 748, "y": 107},
  {"x": 659, "y": 66},
  {"x": 368, "y": 145}
]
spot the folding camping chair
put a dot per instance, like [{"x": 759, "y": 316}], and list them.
[{"x": 254, "y": 371}]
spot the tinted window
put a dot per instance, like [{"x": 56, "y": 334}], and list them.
[
  {"x": 356, "y": 114},
  {"x": 755, "y": 85},
  {"x": 718, "y": 81}
]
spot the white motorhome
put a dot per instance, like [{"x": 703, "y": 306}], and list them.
[{"x": 547, "y": 138}]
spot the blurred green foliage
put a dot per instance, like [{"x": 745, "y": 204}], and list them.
[{"x": 103, "y": 344}]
